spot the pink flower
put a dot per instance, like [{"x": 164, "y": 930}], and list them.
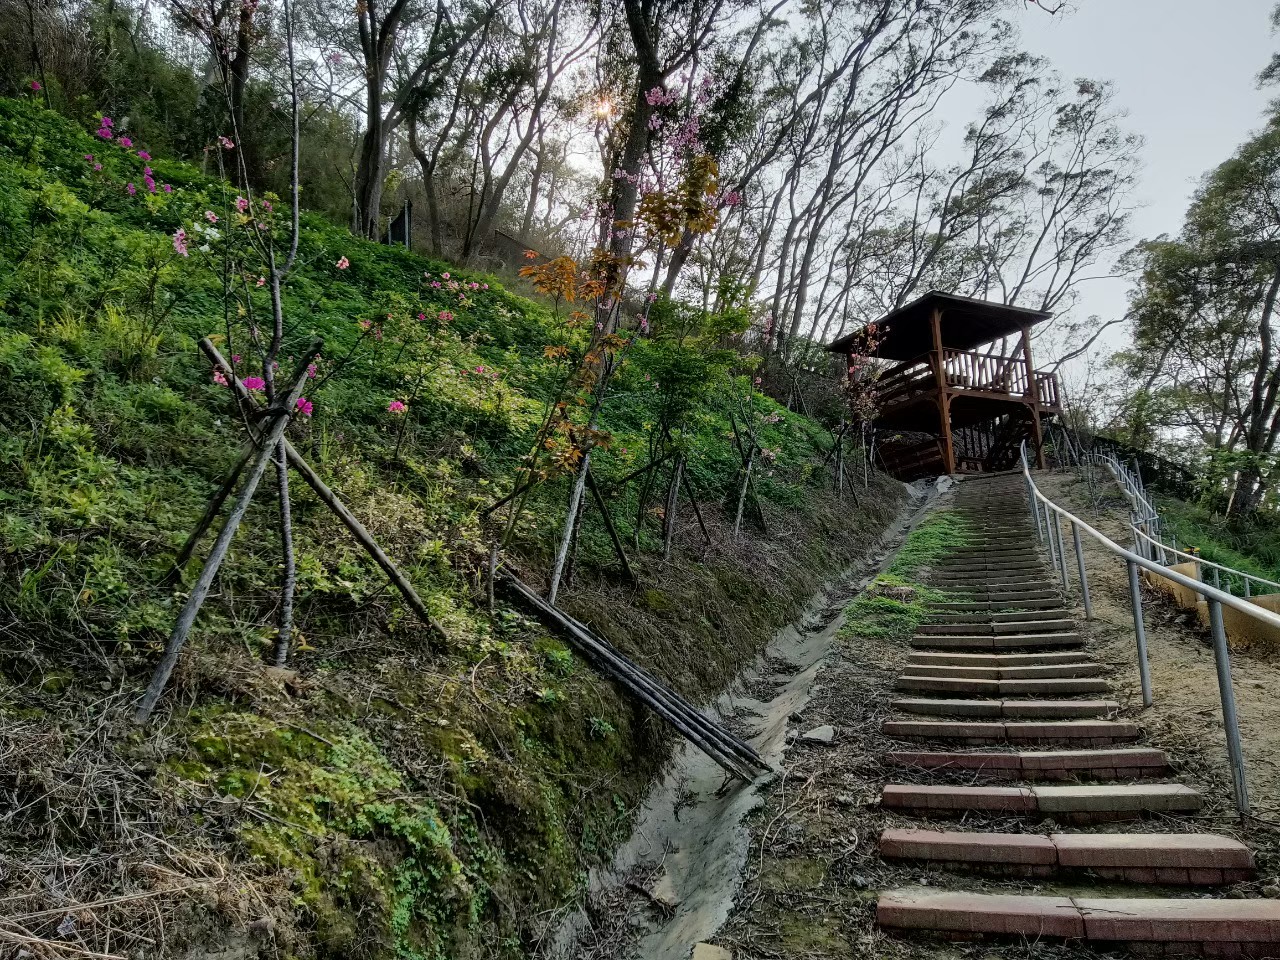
[
  {"x": 107, "y": 123},
  {"x": 444, "y": 316},
  {"x": 130, "y": 189},
  {"x": 226, "y": 142},
  {"x": 35, "y": 86},
  {"x": 235, "y": 358},
  {"x": 758, "y": 381},
  {"x": 89, "y": 157},
  {"x": 444, "y": 276},
  {"x": 342, "y": 263},
  {"x": 366, "y": 324},
  {"x": 485, "y": 285},
  {"x": 480, "y": 369},
  {"x": 211, "y": 216},
  {"x": 311, "y": 372},
  {"x": 303, "y": 406},
  {"x": 97, "y": 166},
  {"x": 167, "y": 188},
  {"x": 146, "y": 171},
  {"x": 179, "y": 240},
  {"x": 266, "y": 205},
  {"x": 254, "y": 383},
  {"x": 219, "y": 377},
  {"x": 396, "y": 406},
  {"x": 124, "y": 142},
  {"x": 422, "y": 316},
  {"x": 143, "y": 155},
  {"x": 104, "y": 133},
  {"x": 242, "y": 204},
  {"x": 435, "y": 284}
]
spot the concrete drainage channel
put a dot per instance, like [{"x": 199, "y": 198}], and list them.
[{"x": 674, "y": 880}]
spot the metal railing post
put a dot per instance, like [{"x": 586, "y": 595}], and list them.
[
  {"x": 1246, "y": 588},
  {"x": 1222, "y": 659},
  {"x": 1140, "y": 631},
  {"x": 1053, "y": 545},
  {"x": 1035, "y": 509},
  {"x": 1084, "y": 577},
  {"x": 1062, "y": 555}
]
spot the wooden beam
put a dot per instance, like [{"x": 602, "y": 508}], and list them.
[
  {"x": 944, "y": 397},
  {"x": 1033, "y": 394}
]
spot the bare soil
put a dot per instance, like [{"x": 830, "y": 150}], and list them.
[{"x": 813, "y": 871}]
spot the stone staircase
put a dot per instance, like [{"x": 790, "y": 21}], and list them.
[{"x": 1005, "y": 710}]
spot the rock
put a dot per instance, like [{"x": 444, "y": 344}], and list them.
[
  {"x": 705, "y": 951},
  {"x": 823, "y": 734},
  {"x": 846, "y": 800}
]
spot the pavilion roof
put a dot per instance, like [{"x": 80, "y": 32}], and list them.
[{"x": 966, "y": 323}]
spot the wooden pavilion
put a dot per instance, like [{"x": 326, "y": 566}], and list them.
[{"x": 964, "y": 393}]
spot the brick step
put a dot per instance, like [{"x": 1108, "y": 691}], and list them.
[
  {"x": 997, "y": 643},
  {"x": 1045, "y": 671},
  {"x": 1080, "y": 733},
  {"x": 1011, "y": 709},
  {"x": 1194, "y": 926},
  {"x": 1005, "y": 564},
  {"x": 1196, "y": 859},
  {"x": 1123, "y": 764},
  {"x": 994, "y": 550},
  {"x": 1000, "y": 688},
  {"x": 1031, "y": 625},
  {"x": 994, "y": 577},
  {"x": 943, "y": 608},
  {"x": 994, "y": 659},
  {"x": 992, "y": 617},
  {"x": 1089, "y": 803}
]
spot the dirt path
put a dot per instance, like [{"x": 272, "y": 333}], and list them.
[{"x": 813, "y": 869}]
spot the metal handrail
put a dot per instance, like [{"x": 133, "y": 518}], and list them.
[
  {"x": 1049, "y": 524},
  {"x": 1195, "y": 558},
  {"x": 1156, "y": 542}
]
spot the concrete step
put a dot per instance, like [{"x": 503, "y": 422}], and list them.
[
  {"x": 1122, "y": 764},
  {"x": 999, "y": 688},
  {"x": 994, "y": 659},
  {"x": 1029, "y": 625},
  {"x": 1011, "y": 709},
  {"x": 1078, "y": 733},
  {"x": 1196, "y": 859},
  {"x": 1194, "y": 926},
  {"x": 1089, "y": 803},
  {"x": 997, "y": 642},
  {"x": 1047, "y": 671}
]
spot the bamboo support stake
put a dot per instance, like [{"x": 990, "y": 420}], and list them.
[
  {"x": 257, "y": 467},
  {"x": 607, "y": 517},
  {"x": 339, "y": 509}
]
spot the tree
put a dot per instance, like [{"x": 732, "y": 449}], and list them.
[{"x": 1204, "y": 313}]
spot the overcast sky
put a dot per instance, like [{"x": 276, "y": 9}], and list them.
[{"x": 1185, "y": 71}]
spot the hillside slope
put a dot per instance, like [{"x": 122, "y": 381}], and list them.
[{"x": 389, "y": 794}]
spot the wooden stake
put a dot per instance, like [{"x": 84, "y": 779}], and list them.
[
  {"x": 607, "y": 517},
  {"x": 257, "y": 466},
  {"x": 339, "y": 509}
]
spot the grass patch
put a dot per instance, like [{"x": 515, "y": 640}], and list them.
[{"x": 883, "y": 613}]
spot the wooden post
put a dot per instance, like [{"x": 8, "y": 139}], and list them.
[
  {"x": 944, "y": 396},
  {"x": 1033, "y": 393}
]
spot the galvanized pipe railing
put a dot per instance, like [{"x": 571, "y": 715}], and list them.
[
  {"x": 1153, "y": 546},
  {"x": 1215, "y": 597}
]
